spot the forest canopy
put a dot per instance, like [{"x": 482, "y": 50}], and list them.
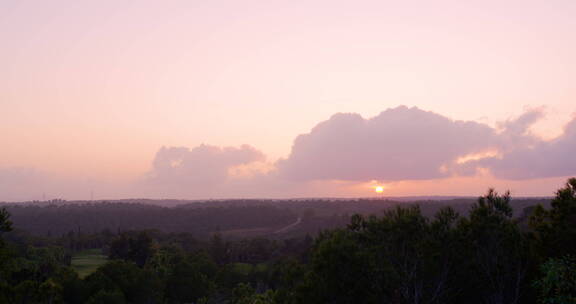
[{"x": 494, "y": 249}]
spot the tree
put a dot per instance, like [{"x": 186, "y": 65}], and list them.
[
  {"x": 498, "y": 249},
  {"x": 5, "y": 223},
  {"x": 341, "y": 271},
  {"x": 107, "y": 297},
  {"x": 218, "y": 248},
  {"x": 5, "y": 257},
  {"x": 189, "y": 281},
  {"x": 401, "y": 257},
  {"x": 555, "y": 228},
  {"x": 558, "y": 283},
  {"x": 245, "y": 294},
  {"x": 136, "y": 284},
  {"x": 137, "y": 248}
]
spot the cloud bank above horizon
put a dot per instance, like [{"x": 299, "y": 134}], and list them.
[
  {"x": 411, "y": 144},
  {"x": 399, "y": 145}
]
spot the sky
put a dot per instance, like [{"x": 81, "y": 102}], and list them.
[{"x": 220, "y": 99}]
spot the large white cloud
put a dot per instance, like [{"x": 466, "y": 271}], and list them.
[
  {"x": 412, "y": 144},
  {"x": 201, "y": 166},
  {"x": 539, "y": 160},
  {"x": 399, "y": 144}
]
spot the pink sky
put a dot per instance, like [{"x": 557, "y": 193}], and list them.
[{"x": 91, "y": 90}]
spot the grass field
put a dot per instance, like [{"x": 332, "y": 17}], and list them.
[
  {"x": 87, "y": 261},
  {"x": 246, "y": 269}
]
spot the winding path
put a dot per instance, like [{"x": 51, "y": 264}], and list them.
[{"x": 289, "y": 227}]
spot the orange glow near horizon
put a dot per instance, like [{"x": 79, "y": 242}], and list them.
[{"x": 478, "y": 156}]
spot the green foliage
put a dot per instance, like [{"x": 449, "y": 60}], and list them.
[
  {"x": 405, "y": 257},
  {"x": 5, "y": 223},
  {"x": 341, "y": 270},
  {"x": 555, "y": 228},
  {"x": 74, "y": 290},
  {"x": 50, "y": 291},
  {"x": 401, "y": 256},
  {"x": 161, "y": 263},
  {"x": 191, "y": 279},
  {"x": 218, "y": 248},
  {"x": 107, "y": 297},
  {"x": 245, "y": 294},
  {"x": 137, "y": 285},
  {"x": 498, "y": 249},
  {"x": 558, "y": 283},
  {"x": 138, "y": 248}
]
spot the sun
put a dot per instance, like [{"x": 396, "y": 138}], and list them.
[{"x": 379, "y": 189}]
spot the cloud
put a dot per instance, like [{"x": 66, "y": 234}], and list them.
[
  {"x": 336, "y": 157},
  {"x": 412, "y": 144},
  {"x": 399, "y": 144},
  {"x": 201, "y": 166},
  {"x": 516, "y": 132},
  {"x": 541, "y": 159}
]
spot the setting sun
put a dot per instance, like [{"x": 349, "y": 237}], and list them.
[{"x": 379, "y": 189}]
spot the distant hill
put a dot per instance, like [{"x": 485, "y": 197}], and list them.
[{"x": 275, "y": 218}]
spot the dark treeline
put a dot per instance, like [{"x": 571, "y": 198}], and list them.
[
  {"x": 242, "y": 218},
  {"x": 53, "y": 219},
  {"x": 404, "y": 254}
]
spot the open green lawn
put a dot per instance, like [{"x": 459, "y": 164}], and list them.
[
  {"x": 246, "y": 269},
  {"x": 87, "y": 261}
]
